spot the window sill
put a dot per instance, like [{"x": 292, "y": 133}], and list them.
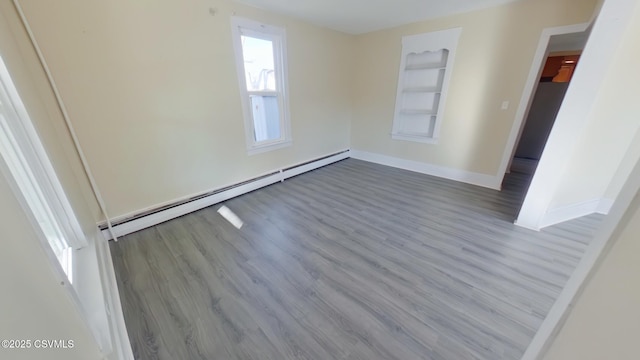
[{"x": 258, "y": 149}]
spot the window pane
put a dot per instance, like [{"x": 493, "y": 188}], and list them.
[
  {"x": 266, "y": 117},
  {"x": 259, "y": 67}
]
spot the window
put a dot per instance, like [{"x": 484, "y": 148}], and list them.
[
  {"x": 425, "y": 70},
  {"x": 23, "y": 159},
  {"x": 261, "y": 62}
]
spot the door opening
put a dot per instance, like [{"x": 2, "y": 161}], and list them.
[
  {"x": 564, "y": 42},
  {"x": 552, "y": 86}
]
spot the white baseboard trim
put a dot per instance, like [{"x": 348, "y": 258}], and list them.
[
  {"x": 488, "y": 181},
  {"x": 574, "y": 211},
  {"x": 148, "y": 217},
  {"x": 120, "y": 344}
]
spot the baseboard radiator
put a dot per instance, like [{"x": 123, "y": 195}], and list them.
[{"x": 160, "y": 214}]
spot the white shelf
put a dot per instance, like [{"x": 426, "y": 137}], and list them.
[
  {"x": 424, "y": 76},
  {"x": 418, "y": 112},
  {"x": 427, "y": 139},
  {"x": 425, "y": 67},
  {"x": 412, "y": 133},
  {"x": 424, "y": 89}
]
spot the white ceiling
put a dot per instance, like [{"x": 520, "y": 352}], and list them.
[{"x": 361, "y": 16}]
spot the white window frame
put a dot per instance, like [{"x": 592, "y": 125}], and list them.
[
  {"x": 25, "y": 163},
  {"x": 243, "y": 26}
]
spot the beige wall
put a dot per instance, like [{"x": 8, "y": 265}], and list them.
[
  {"x": 33, "y": 305},
  {"x": 605, "y": 322},
  {"x": 492, "y": 62},
  {"x": 152, "y": 91},
  {"x": 604, "y": 157},
  {"x": 35, "y": 92},
  {"x": 158, "y": 110}
]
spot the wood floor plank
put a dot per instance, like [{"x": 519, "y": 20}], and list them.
[{"x": 350, "y": 261}]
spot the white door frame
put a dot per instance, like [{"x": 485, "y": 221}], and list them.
[{"x": 530, "y": 87}]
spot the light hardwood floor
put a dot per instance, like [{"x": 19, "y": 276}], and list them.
[{"x": 350, "y": 261}]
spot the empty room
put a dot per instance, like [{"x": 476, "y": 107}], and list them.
[{"x": 321, "y": 179}]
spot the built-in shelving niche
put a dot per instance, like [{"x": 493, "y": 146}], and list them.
[{"x": 424, "y": 74}]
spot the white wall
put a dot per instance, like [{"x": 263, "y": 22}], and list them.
[
  {"x": 605, "y": 321},
  {"x": 624, "y": 170},
  {"x": 595, "y": 126},
  {"x": 612, "y": 124},
  {"x": 152, "y": 90},
  {"x": 33, "y": 304}
]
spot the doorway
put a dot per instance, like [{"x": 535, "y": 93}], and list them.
[
  {"x": 563, "y": 41},
  {"x": 545, "y": 104}
]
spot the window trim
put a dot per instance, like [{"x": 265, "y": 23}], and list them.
[
  {"x": 242, "y": 26},
  {"x": 26, "y": 162}
]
